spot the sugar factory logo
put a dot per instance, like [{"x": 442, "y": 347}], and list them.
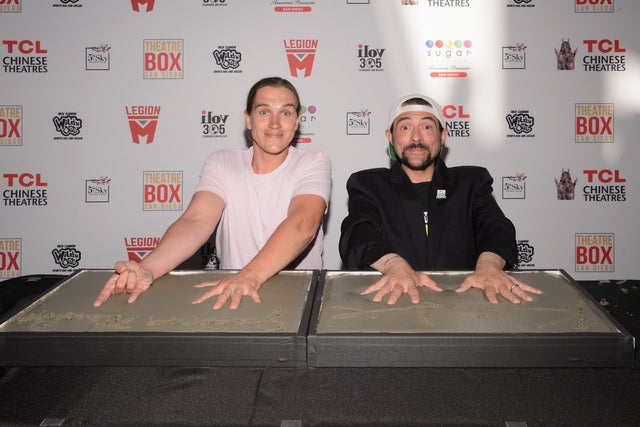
[
  {"x": 449, "y": 58},
  {"x": 215, "y": 3},
  {"x": 306, "y": 129},
  {"x": 300, "y": 55},
  {"x": 594, "y": 6},
  {"x": 520, "y": 124},
  {"x": 525, "y": 254},
  {"x": 595, "y": 252},
  {"x": 24, "y": 56},
  {"x": 143, "y": 120},
  {"x": 521, "y": 3},
  {"x": 97, "y": 190},
  {"x": 213, "y": 125},
  {"x": 68, "y": 125},
  {"x": 67, "y": 3},
  {"x": 369, "y": 59},
  {"x": 142, "y": 5},
  {"x": 10, "y": 125},
  {"x": 456, "y": 121},
  {"x": 24, "y": 189},
  {"x": 514, "y": 187},
  {"x": 565, "y": 57},
  {"x": 594, "y": 123},
  {"x": 10, "y": 6},
  {"x": 565, "y": 187},
  {"x": 67, "y": 257},
  {"x": 604, "y": 185},
  {"x": 98, "y": 57},
  {"x": 358, "y": 122},
  {"x": 514, "y": 57},
  {"x": 10, "y": 258},
  {"x": 162, "y": 190},
  {"x": 163, "y": 59},
  {"x": 604, "y": 55},
  {"x": 139, "y": 247},
  {"x": 290, "y": 6},
  {"x": 228, "y": 59}
]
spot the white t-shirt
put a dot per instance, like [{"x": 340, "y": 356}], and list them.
[{"x": 255, "y": 204}]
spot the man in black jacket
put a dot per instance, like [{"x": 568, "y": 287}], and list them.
[{"x": 421, "y": 215}]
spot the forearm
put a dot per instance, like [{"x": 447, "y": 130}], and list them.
[
  {"x": 286, "y": 243},
  {"x": 178, "y": 243},
  {"x": 490, "y": 260}
]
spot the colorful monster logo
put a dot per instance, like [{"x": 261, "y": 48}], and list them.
[
  {"x": 566, "y": 188},
  {"x": 565, "y": 58}
]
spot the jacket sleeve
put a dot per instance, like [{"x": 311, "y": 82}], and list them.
[
  {"x": 361, "y": 239},
  {"x": 494, "y": 231}
]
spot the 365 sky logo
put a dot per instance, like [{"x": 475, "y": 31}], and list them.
[
  {"x": 514, "y": 57},
  {"x": 143, "y": 120},
  {"x": 98, "y": 57},
  {"x": 514, "y": 186},
  {"x": 359, "y": 122},
  {"x": 97, "y": 190},
  {"x": 301, "y": 54},
  {"x": 10, "y": 125}
]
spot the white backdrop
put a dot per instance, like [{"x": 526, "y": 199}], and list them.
[{"x": 77, "y": 192}]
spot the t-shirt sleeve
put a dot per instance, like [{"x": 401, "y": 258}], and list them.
[
  {"x": 211, "y": 176},
  {"x": 314, "y": 176}
]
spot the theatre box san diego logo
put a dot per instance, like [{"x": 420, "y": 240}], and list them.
[
  {"x": 594, "y": 123},
  {"x": 10, "y": 258},
  {"x": 162, "y": 190},
  {"x": 10, "y": 125},
  {"x": 163, "y": 59},
  {"x": 595, "y": 252}
]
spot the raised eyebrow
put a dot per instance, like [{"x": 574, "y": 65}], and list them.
[
  {"x": 430, "y": 118},
  {"x": 270, "y": 106}
]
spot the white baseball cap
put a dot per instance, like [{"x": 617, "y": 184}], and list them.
[{"x": 398, "y": 108}]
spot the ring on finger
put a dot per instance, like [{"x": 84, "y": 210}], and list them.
[{"x": 515, "y": 285}]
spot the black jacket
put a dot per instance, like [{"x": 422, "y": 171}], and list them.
[{"x": 464, "y": 220}]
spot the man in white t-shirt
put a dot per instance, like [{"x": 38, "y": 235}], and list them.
[{"x": 267, "y": 201}]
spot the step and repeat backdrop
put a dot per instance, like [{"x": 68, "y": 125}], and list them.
[{"x": 108, "y": 110}]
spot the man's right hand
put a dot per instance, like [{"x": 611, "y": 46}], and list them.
[{"x": 130, "y": 278}]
